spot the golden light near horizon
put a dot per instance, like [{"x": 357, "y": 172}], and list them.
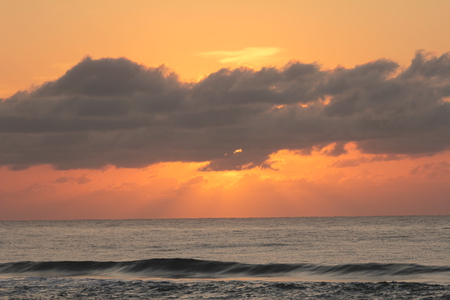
[{"x": 296, "y": 184}]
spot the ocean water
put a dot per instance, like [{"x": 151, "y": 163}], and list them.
[{"x": 404, "y": 257}]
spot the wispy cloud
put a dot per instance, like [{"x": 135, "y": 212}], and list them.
[{"x": 246, "y": 55}]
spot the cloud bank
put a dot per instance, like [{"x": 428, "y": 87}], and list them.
[{"x": 117, "y": 112}]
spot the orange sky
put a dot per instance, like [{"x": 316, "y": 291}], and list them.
[{"x": 41, "y": 40}]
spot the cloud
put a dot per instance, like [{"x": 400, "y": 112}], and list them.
[
  {"x": 354, "y": 162},
  {"x": 246, "y": 55},
  {"x": 80, "y": 180},
  {"x": 433, "y": 170},
  {"x": 117, "y": 112}
]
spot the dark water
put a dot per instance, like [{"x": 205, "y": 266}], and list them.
[{"x": 306, "y": 258}]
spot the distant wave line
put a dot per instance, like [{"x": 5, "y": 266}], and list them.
[{"x": 193, "y": 268}]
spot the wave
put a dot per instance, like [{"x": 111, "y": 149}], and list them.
[{"x": 193, "y": 268}]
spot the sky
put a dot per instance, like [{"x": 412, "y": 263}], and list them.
[{"x": 204, "y": 109}]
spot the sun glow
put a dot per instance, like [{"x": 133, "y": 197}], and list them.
[{"x": 301, "y": 184}]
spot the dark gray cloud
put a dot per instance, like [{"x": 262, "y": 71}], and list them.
[{"x": 116, "y": 112}]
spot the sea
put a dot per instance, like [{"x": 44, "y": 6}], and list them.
[{"x": 389, "y": 257}]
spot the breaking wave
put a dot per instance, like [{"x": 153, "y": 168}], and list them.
[{"x": 193, "y": 268}]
